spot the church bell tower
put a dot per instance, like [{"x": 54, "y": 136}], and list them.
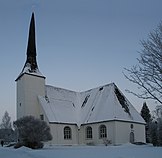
[{"x": 30, "y": 82}]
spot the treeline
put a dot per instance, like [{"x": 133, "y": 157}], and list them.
[{"x": 153, "y": 124}]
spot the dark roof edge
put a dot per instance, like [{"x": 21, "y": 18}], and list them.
[
  {"x": 128, "y": 121},
  {"x": 29, "y": 74}
]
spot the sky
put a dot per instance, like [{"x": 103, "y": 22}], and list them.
[{"x": 81, "y": 44}]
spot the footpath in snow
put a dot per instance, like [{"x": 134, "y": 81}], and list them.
[{"x": 124, "y": 151}]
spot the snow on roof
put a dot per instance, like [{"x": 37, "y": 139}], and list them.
[
  {"x": 104, "y": 103},
  {"x": 27, "y": 70}
]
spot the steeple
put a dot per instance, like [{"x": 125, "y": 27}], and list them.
[
  {"x": 30, "y": 82},
  {"x": 31, "y": 66},
  {"x": 31, "y": 48}
]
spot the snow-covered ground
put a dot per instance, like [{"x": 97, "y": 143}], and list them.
[{"x": 124, "y": 151}]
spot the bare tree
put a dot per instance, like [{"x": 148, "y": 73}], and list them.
[
  {"x": 147, "y": 75},
  {"x": 6, "y": 132},
  {"x": 6, "y": 121}
]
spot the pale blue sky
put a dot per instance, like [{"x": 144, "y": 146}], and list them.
[{"x": 81, "y": 44}]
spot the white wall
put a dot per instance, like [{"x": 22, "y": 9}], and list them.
[
  {"x": 78, "y": 135},
  {"x": 57, "y": 131},
  {"x": 123, "y": 130},
  {"x": 95, "y": 133},
  {"x": 28, "y": 88},
  {"x": 139, "y": 131},
  {"x": 117, "y": 131}
]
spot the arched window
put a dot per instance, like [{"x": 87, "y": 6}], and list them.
[
  {"x": 102, "y": 131},
  {"x": 89, "y": 132},
  {"x": 67, "y": 133}
]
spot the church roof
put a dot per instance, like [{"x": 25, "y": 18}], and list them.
[{"x": 104, "y": 103}]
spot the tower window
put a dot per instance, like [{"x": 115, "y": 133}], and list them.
[{"x": 42, "y": 117}]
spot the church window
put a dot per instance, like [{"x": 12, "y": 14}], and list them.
[
  {"x": 89, "y": 132},
  {"x": 102, "y": 131},
  {"x": 67, "y": 133}
]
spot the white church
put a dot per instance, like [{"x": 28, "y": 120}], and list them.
[{"x": 76, "y": 118}]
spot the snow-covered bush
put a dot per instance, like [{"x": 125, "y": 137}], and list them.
[{"x": 32, "y": 132}]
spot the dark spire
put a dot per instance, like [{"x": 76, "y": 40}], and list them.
[
  {"x": 31, "y": 62},
  {"x": 31, "y": 48}
]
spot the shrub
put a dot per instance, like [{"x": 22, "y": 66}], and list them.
[
  {"x": 106, "y": 142},
  {"x": 32, "y": 132}
]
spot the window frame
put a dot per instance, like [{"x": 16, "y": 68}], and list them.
[
  {"x": 102, "y": 132},
  {"x": 67, "y": 133},
  {"x": 89, "y": 133}
]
